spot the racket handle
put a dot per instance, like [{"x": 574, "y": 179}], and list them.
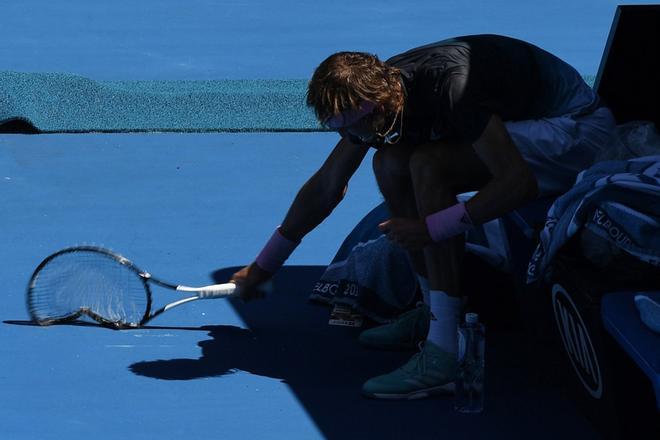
[
  {"x": 221, "y": 290},
  {"x": 212, "y": 291}
]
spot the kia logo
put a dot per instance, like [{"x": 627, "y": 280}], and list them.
[{"x": 575, "y": 336}]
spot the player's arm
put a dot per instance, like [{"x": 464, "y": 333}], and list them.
[
  {"x": 314, "y": 202},
  {"x": 513, "y": 182},
  {"x": 319, "y": 196}
]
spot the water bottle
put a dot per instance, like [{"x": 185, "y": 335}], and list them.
[{"x": 469, "y": 396}]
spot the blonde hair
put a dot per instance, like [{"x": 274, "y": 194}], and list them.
[{"x": 346, "y": 79}]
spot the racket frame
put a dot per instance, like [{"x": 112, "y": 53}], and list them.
[{"x": 206, "y": 292}]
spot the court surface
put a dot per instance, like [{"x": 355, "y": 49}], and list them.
[{"x": 184, "y": 205}]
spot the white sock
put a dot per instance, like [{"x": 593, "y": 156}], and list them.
[
  {"x": 424, "y": 286},
  {"x": 446, "y": 312}
]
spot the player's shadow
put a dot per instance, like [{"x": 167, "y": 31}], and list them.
[
  {"x": 288, "y": 339},
  {"x": 230, "y": 349}
]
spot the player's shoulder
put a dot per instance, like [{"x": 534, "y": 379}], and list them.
[
  {"x": 431, "y": 60},
  {"x": 457, "y": 48},
  {"x": 419, "y": 55}
]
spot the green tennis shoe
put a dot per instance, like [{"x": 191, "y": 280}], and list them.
[
  {"x": 430, "y": 372},
  {"x": 405, "y": 333}
]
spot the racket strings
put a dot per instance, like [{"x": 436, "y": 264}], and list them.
[{"x": 88, "y": 283}]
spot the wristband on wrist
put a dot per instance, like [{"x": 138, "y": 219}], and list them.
[
  {"x": 448, "y": 222},
  {"x": 276, "y": 251}
]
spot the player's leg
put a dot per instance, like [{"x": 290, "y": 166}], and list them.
[
  {"x": 392, "y": 171},
  {"x": 438, "y": 173}
]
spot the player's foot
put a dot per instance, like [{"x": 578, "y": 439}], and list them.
[
  {"x": 429, "y": 372},
  {"x": 405, "y": 333}
]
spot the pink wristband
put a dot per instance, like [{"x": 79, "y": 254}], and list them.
[
  {"x": 275, "y": 253},
  {"x": 448, "y": 222}
]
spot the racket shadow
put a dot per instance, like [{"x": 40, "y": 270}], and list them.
[
  {"x": 288, "y": 339},
  {"x": 96, "y": 325}
]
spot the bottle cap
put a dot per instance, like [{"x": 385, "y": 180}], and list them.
[{"x": 471, "y": 318}]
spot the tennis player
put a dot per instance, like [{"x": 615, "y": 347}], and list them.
[{"x": 482, "y": 113}]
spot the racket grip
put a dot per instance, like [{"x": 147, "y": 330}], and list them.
[
  {"x": 221, "y": 290},
  {"x": 212, "y": 291}
]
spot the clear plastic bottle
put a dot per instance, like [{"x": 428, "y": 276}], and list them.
[{"x": 471, "y": 365}]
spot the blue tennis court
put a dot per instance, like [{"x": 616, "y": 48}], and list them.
[{"x": 184, "y": 205}]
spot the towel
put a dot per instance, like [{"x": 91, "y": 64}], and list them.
[
  {"x": 376, "y": 278},
  {"x": 631, "y": 140},
  {"x": 619, "y": 201},
  {"x": 369, "y": 273}
]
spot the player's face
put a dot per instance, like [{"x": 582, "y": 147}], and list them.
[{"x": 366, "y": 129}]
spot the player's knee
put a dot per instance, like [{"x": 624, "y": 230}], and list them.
[
  {"x": 433, "y": 169},
  {"x": 391, "y": 169}
]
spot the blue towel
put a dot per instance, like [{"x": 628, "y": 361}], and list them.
[
  {"x": 376, "y": 278},
  {"x": 619, "y": 201},
  {"x": 369, "y": 272}
]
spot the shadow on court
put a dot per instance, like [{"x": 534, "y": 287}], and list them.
[
  {"x": 97, "y": 325},
  {"x": 289, "y": 339}
]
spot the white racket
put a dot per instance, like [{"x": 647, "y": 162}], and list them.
[{"x": 107, "y": 287}]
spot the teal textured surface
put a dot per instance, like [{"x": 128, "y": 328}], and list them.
[{"x": 65, "y": 103}]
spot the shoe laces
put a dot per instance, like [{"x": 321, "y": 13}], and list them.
[{"x": 417, "y": 363}]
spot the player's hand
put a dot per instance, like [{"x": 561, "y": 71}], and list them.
[
  {"x": 410, "y": 234},
  {"x": 250, "y": 282}
]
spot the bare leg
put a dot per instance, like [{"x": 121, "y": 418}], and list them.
[
  {"x": 392, "y": 170},
  {"x": 431, "y": 177},
  {"x": 440, "y": 172}
]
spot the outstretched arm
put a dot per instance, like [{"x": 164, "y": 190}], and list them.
[{"x": 317, "y": 198}]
